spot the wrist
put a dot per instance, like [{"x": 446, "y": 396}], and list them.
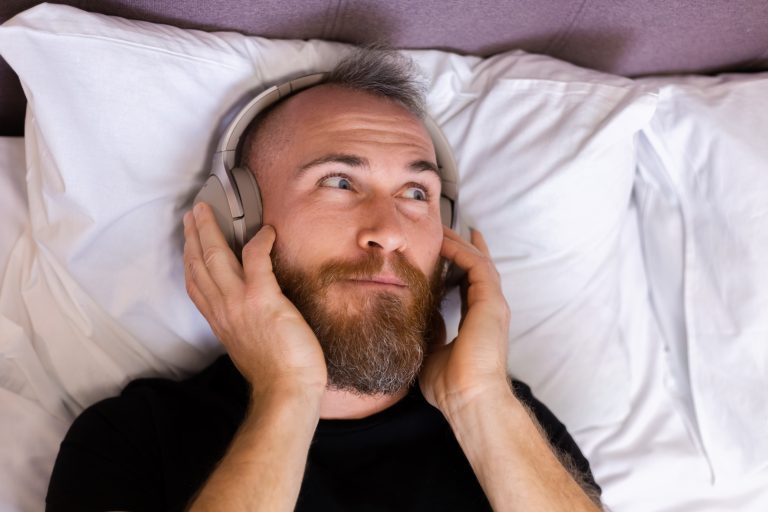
[
  {"x": 286, "y": 402},
  {"x": 287, "y": 387},
  {"x": 476, "y": 401}
]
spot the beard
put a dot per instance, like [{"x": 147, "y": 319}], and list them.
[{"x": 374, "y": 342}]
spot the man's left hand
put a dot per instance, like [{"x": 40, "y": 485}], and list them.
[{"x": 474, "y": 364}]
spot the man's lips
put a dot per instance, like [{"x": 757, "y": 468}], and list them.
[{"x": 381, "y": 279}]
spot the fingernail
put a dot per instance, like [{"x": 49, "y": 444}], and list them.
[{"x": 198, "y": 209}]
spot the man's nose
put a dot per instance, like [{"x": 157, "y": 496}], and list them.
[{"x": 381, "y": 226}]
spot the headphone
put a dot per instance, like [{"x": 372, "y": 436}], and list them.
[{"x": 233, "y": 194}]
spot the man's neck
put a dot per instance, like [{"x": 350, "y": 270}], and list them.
[{"x": 343, "y": 405}]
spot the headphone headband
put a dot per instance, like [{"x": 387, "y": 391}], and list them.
[{"x": 230, "y": 138}]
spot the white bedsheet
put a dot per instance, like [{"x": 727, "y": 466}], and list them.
[
  {"x": 13, "y": 193},
  {"x": 29, "y": 442},
  {"x": 29, "y": 435}
]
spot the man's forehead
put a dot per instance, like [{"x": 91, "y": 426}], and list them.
[
  {"x": 327, "y": 121},
  {"x": 333, "y": 106}
]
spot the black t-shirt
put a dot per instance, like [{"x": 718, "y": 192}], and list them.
[{"x": 153, "y": 447}]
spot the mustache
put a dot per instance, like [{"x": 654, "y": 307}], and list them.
[{"x": 370, "y": 265}]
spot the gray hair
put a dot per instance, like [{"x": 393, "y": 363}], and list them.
[
  {"x": 375, "y": 69},
  {"x": 384, "y": 72}
]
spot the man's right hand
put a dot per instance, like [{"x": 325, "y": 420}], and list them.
[{"x": 267, "y": 338}]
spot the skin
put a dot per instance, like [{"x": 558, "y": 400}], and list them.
[{"x": 312, "y": 219}]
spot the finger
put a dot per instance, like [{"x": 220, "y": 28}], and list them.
[
  {"x": 456, "y": 243},
  {"x": 478, "y": 240},
  {"x": 257, "y": 262},
  {"x": 462, "y": 253},
  {"x": 452, "y": 235},
  {"x": 199, "y": 284},
  {"x": 218, "y": 258},
  {"x": 483, "y": 279},
  {"x": 198, "y": 298}
]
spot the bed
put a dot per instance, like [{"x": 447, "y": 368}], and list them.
[{"x": 612, "y": 153}]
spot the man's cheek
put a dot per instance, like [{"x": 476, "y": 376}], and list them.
[{"x": 285, "y": 253}]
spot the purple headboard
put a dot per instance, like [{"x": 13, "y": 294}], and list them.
[{"x": 625, "y": 37}]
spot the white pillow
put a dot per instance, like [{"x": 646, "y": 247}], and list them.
[
  {"x": 546, "y": 156},
  {"x": 13, "y": 196},
  {"x": 703, "y": 195},
  {"x": 122, "y": 115}
]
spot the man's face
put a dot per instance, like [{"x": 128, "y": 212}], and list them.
[{"x": 349, "y": 187}]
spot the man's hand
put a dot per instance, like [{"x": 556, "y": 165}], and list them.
[
  {"x": 474, "y": 363},
  {"x": 274, "y": 349},
  {"x": 267, "y": 338},
  {"x": 467, "y": 381}
]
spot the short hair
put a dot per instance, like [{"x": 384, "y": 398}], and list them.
[
  {"x": 375, "y": 69},
  {"x": 384, "y": 72}
]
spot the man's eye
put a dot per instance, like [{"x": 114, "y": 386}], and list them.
[
  {"x": 341, "y": 182},
  {"x": 417, "y": 193}
]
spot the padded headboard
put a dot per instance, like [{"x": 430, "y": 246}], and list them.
[{"x": 625, "y": 37}]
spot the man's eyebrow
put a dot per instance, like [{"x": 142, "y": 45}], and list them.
[
  {"x": 358, "y": 161},
  {"x": 339, "y": 158},
  {"x": 424, "y": 165}
]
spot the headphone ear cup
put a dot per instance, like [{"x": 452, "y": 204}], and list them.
[
  {"x": 213, "y": 194},
  {"x": 446, "y": 211},
  {"x": 453, "y": 274},
  {"x": 250, "y": 200}
]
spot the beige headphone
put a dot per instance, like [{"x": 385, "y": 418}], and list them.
[{"x": 234, "y": 196}]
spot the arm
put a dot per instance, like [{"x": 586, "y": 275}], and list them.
[
  {"x": 264, "y": 465},
  {"x": 277, "y": 353},
  {"x": 511, "y": 457},
  {"x": 467, "y": 381}
]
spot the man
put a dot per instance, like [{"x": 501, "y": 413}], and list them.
[{"x": 338, "y": 391}]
